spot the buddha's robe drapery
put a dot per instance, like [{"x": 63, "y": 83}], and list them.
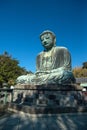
[{"x": 52, "y": 67}]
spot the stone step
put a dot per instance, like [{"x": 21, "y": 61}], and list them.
[{"x": 45, "y": 109}]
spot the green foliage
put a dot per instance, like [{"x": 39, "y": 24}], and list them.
[{"x": 9, "y": 69}]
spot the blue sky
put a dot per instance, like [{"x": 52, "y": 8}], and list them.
[{"x": 22, "y": 21}]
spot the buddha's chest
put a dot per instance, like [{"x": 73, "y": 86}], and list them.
[{"x": 47, "y": 61}]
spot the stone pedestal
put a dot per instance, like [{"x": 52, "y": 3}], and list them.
[{"x": 46, "y": 95}]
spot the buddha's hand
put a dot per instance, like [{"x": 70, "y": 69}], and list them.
[
  {"x": 38, "y": 72},
  {"x": 42, "y": 72}
]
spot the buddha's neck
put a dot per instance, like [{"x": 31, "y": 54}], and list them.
[{"x": 48, "y": 50}]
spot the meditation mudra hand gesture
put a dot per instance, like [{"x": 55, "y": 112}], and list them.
[{"x": 53, "y": 65}]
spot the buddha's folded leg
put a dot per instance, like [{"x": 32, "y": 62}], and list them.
[
  {"x": 45, "y": 78},
  {"x": 25, "y": 79},
  {"x": 21, "y": 79},
  {"x": 68, "y": 77},
  {"x": 31, "y": 79},
  {"x": 38, "y": 79},
  {"x": 64, "y": 77}
]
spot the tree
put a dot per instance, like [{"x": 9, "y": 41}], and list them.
[
  {"x": 77, "y": 72},
  {"x": 9, "y": 69},
  {"x": 84, "y": 65},
  {"x": 80, "y": 71}
]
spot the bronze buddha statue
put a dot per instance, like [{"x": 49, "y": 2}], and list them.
[{"x": 53, "y": 65}]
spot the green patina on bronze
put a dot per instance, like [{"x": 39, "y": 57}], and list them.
[{"x": 53, "y": 65}]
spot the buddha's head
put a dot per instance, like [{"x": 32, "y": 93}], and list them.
[{"x": 48, "y": 39}]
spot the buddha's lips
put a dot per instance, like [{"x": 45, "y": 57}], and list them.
[{"x": 46, "y": 44}]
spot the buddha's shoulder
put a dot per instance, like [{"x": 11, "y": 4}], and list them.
[
  {"x": 60, "y": 48},
  {"x": 41, "y": 53}
]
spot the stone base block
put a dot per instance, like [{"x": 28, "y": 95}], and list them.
[{"x": 48, "y": 95}]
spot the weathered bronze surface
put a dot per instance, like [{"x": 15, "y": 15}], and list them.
[{"x": 53, "y": 65}]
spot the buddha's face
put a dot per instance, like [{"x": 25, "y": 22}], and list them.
[{"x": 47, "y": 41}]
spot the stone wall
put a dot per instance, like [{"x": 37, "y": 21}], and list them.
[{"x": 46, "y": 95}]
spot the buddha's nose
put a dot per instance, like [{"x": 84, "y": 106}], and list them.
[{"x": 44, "y": 40}]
